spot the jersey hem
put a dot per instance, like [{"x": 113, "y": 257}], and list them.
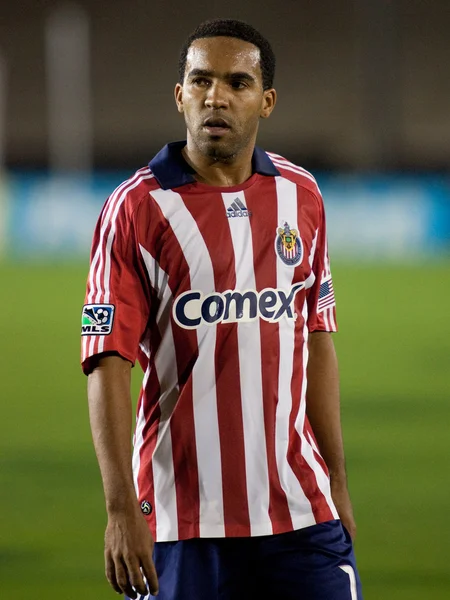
[{"x": 258, "y": 530}]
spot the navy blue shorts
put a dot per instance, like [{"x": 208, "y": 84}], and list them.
[{"x": 315, "y": 563}]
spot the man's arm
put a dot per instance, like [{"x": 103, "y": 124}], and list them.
[
  {"x": 323, "y": 410},
  {"x": 128, "y": 541}
]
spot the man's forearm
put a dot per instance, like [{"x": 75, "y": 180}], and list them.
[
  {"x": 323, "y": 410},
  {"x": 110, "y": 416},
  {"x": 128, "y": 541},
  {"x": 323, "y": 404}
]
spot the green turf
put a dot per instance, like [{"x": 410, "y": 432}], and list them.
[{"x": 394, "y": 350}]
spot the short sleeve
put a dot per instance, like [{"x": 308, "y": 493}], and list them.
[
  {"x": 321, "y": 300},
  {"x": 116, "y": 309}
]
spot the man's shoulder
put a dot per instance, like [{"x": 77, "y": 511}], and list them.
[
  {"x": 295, "y": 173},
  {"x": 130, "y": 193}
]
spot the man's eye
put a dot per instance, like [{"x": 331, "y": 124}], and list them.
[
  {"x": 200, "y": 81},
  {"x": 238, "y": 85}
]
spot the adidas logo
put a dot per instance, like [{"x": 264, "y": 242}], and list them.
[{"x": 237, "y": 209}]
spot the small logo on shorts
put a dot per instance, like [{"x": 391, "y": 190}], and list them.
[
  {"x": 288, "y": 245},
  {"x": 146, "y": 507},
  {"x": 97, "y": 319}
]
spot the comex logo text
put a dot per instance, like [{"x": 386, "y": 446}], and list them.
[{"x": 193, "y": 309}]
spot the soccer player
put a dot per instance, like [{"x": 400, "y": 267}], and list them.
[{"x": 210, "y": 267}]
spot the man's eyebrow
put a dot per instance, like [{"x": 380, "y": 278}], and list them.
[
  {"x": 240, "y": 75},
  {"x": 200, "y": 73}
]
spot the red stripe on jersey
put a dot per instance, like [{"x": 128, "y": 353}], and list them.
[
  {"x": 135, "y": 240},
  {"x": 182, "y": 425},
  {"x": 307, "y": 430},
  {"x": 300, "y": 466},
  {"x": 185, "y": 460},
  {"x": 107, "y": 222},
  {"x": 101, "y": 235},
  {"x": 97, "y": 275},
  {"x": 228, "y": 390},
  {"x": 152, "y": 414},
  {"x": 282, "y": 164},
  {"x": 266, "y": 277}
]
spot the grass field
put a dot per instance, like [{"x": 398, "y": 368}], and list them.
[{"x": 394, "y": 351}]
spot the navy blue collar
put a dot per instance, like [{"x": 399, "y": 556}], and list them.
[{"x": 172, "y": 171}]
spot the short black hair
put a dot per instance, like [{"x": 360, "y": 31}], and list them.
[{"x": 236, "y": 29}]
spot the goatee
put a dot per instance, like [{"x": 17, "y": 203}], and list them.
[{"x": 220, "y": 155}]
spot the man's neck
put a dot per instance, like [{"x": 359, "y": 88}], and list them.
[{"x": 216, "y": 172}]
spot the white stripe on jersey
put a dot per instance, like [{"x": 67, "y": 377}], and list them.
[
  {"x": 138, "y": 438},
  {"x": 282, "y": 160},
  {"x": 333, "y": 326},
  {"x": 313, "y": 249},
  {"x": 292, "y": 168},
  {"x": 326, "y": 261},
  {"x": 309, "y": 282},
  {"x": 96, "y": 258},
  {"x": 95, "y": 271},
  {"x": 165, "y": 498},
  {"x": 109, "y": 207},
  {"x": 323, "y": 482},
  {"x": 110, "y": 240},
  {"x": 249, "y": 345},
  {"x": 313, "y": 443},
  {"x": 299, "y": 505},
  {"x": 140, "y": 424},
  {"x": 284, "y": 164},
  {"x": 204, "y": 394},
  {"x": 328, "y": 313}
]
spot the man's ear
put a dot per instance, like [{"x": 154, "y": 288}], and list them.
[
  {"x": 268, "y": 104},
  {"x": 178, "y": 93}
]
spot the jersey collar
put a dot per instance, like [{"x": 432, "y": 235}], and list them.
[{"x": 172, "y": 171}]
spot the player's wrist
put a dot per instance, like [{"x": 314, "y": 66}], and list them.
[{"x": 123, "y": 506}]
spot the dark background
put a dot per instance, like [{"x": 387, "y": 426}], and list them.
[{"x": 363, "y": 84}]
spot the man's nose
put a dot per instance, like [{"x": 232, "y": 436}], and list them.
[{"x": 216, "y": 96}]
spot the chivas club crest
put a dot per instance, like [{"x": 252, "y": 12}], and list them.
[{"x": 288, "y": 245}]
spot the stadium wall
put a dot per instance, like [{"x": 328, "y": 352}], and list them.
[{"x": 371, "y": 218}]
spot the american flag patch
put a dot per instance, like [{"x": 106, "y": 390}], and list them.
[{"x": 326, "y": 296}]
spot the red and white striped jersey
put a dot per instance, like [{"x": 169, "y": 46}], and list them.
[{"x": 215, "y": 290}]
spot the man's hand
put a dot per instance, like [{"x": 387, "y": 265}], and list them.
[
  {"x": 341, "y": 499},
  {"x": 128, "y": 554}
]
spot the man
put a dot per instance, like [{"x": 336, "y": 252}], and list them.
[{"x": 210, "y": 266}]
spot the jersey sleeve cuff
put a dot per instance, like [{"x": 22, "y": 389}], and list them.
[{"x": 89, "y": 363}]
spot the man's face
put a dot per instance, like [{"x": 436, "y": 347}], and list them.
[{"x": 222, "y": 96}]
